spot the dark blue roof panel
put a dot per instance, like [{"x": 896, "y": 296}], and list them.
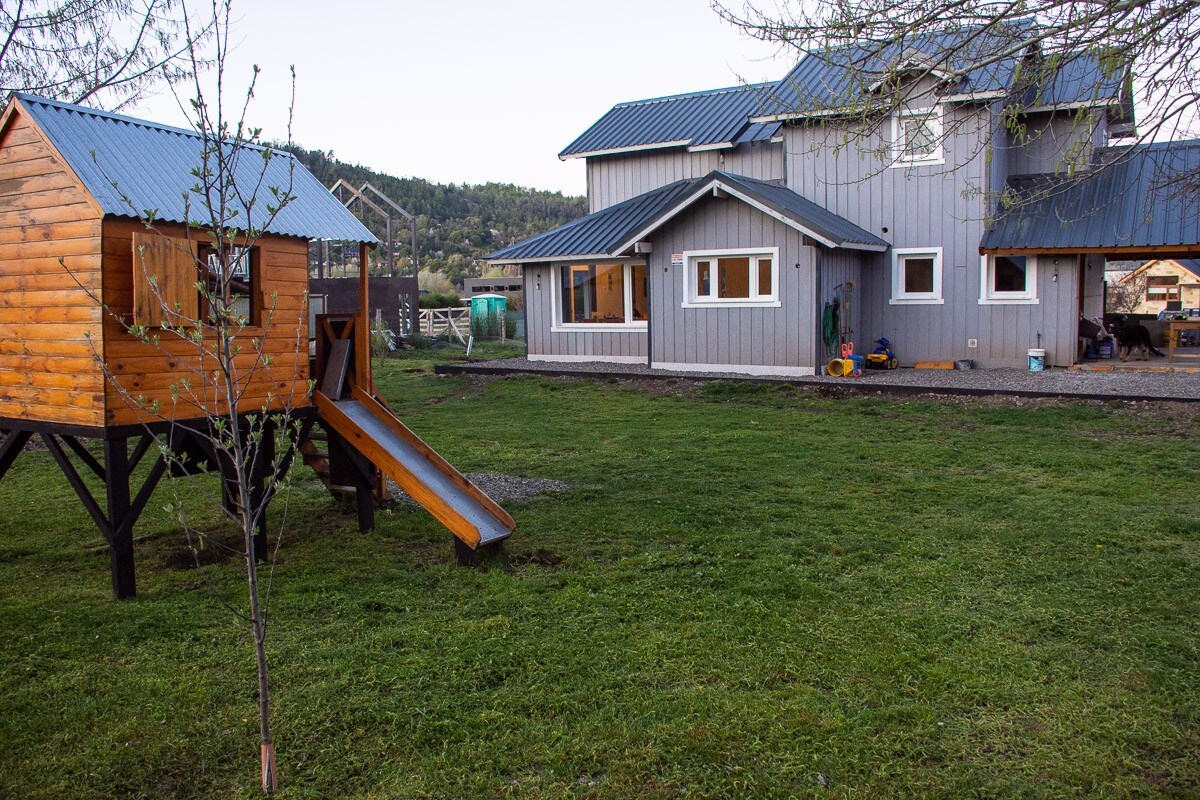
[
  {"x": 717, "y": 117},
  {"x": 606, "y": 232},
  {"x": 1134, "y": 200},
  {"x": 131, "y": 166},
  {"x": 838, "y": 77},
  {"x": 601, "y": 232},
  {"x": 1079, "y": 79}
]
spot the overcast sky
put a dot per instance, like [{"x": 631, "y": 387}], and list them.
[{"x": 471, "y": 91}]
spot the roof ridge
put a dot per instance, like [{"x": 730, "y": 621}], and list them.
[
  {"x": 702, "y": 93},
  {"x": 125, "y": 118}
]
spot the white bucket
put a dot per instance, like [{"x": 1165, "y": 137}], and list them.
[{"x": 1037, "y": 359}]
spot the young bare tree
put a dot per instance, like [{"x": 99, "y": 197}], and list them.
[
  {"x": 105, "y": 52},
  {"x": 1146, "y": 54},
  {"x": 1125, "y": 295},
  {"x": 242, "y": 355}
]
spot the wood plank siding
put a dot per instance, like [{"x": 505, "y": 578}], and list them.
[
  {"x": 49, "y": 274},
  {"x": 146, "y": 370},
  {"x": 612, "y": 179}
]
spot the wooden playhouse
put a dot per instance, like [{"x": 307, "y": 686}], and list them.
[{"x": 79, "y": 266}]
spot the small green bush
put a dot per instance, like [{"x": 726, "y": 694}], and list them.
[{"x": 435, "y": 300}]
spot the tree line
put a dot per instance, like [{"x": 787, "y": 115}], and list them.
[{"x": 457, "y": 224}]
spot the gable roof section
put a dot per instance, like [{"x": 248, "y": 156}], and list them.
[
  {"x": 1191, "y": 265},
  {"x": 839, "y": 77},
  {"x": 1132, "y": 200},
  {"x": 152, "y": 167},
  {"x": 1080, "y": 80},
  {"x": 701, "y": 120},
  {"x": 612, "y": 232}
]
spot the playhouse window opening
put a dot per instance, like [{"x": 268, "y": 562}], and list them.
[
  {"x": 737, "y": 278},
  {"x": 240, "y": 267},
  {"x": 604, "y": 294}
]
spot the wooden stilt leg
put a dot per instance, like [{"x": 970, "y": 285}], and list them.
[
  {"x": 120, "y": 546},
  {"x": 365, "y": 495}
]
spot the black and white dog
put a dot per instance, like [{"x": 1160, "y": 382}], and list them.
[{"x": 1132, "y": 336}]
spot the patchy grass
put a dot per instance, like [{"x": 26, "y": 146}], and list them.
[{"x": 752, "y": 592}]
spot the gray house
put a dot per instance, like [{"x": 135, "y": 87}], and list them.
[{"x": 721, "y": 223}]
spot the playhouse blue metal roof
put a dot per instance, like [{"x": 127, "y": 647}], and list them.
[
  {"x": 608, "y": 232},
  {"x": 720, "y": 117},
  {"x": 132, "y": 166},
  {"x": 1133, "y": 199}
]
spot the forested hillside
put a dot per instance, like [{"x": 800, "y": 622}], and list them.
[{"x": 457, "y": 224}]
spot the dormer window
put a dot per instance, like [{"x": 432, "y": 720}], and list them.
[{"x": 917, "y": 137}]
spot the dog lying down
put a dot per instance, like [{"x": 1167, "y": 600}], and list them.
[{"x": 1133, "y": 336}]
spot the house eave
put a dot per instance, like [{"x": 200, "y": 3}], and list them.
[{"x": 637, "y": 148}]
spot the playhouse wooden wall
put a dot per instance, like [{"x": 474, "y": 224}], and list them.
[
  {"x": 144, "y": 370},
  {"x": 50, "y": 235}
]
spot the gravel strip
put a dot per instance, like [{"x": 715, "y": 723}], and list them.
[
  {"x": 1063, "y": 382},
  {"x": 500, "y": 488}
]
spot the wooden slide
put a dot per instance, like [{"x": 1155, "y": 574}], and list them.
[{"x": 416, "y": 468}]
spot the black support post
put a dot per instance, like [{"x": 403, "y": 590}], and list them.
[{"x": 120, "y": 545}]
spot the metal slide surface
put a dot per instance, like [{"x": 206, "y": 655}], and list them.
[{"x": 419, "y": 473}]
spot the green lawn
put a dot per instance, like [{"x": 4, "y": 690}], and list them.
[{"x": 750, "y": 592}]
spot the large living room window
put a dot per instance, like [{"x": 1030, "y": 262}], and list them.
[
  {"x": 1009, "y": 279},
  {"x": 732, "y": 278},
  {"x": 917, "y": 275},
  {"x": 603, "y": 296}
]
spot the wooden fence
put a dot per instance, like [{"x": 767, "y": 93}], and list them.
[{"x": 436, "y": 321}]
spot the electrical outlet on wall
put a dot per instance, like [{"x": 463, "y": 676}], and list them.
[{"x": 972, "y": 343}]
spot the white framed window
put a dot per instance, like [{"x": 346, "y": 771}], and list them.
[
  {"x": 1008, "y": 279},
  {"x": 917, "y": 137},
  {"x": 596, "y": 297},
  {"x": 917, "y": 275},
  {"x": 744, "y": 278}
]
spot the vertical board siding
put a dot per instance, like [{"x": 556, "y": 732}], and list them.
[
  {"x": 770, "y": 337},
  {"x": 144, "y": 369},
  {"x": 926, "y": 206},
  {"x": 1053, "y": 143},
  {"x": 49, "y": 282},
  {"x": 835, "y": 268},
  {"x": 542, "y": 340},
  {"x": 612, "y": 179}
]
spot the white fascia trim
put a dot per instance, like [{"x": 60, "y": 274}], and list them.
[
  {"x": 700, "y": 148},
  {"x": 736, "y": 369},
  {"x": 610, "y": 327},
  {"x": 967, "y": 97},
  {"x": 703, "y": 190},
  {"x": 552, "y": 259},
  {"x": 579, "y": 359},
  {"x": 794, "y": 115},
  {"x": 1074, "y": 106},
  {"x": 632, "y": 149}
]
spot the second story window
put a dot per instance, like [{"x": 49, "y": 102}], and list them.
[{"x": 917, "y": 137}]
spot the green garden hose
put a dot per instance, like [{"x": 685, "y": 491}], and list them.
[{"x": 831, "y": 328}]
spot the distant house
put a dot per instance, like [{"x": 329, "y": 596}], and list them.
[
  {"x": 498, "y": 285},
  {"x": 722, "y": 222},
  {"x": 1165, "y": 284}
]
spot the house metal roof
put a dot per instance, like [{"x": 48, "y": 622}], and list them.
[
  {"x": 716, "y": 118},
  {"x": 1133, "y": 199},
  {"x": 1080, "y": 79},
  {"x": 131, "y": 166},
  {"x": 838, "y": 77},
  {"x": 612, "y": 231}
]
